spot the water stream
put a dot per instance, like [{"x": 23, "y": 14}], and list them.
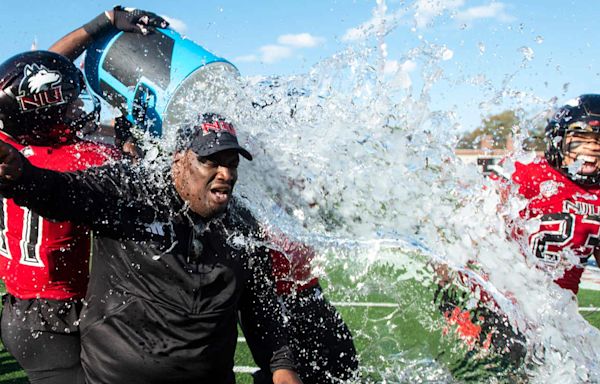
[{"x": 358, "y": 162}]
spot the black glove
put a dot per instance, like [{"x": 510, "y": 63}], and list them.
[
  {"x": 137, "y": 20},
  {"x": 126, "y": 20}
]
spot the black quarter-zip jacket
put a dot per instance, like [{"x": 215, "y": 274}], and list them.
[{"x": 165, "y": 287}]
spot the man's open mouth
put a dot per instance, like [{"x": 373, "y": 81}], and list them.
[{"x": 221, "y": 194}]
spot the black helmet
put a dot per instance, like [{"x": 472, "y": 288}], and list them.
[
  {"x": 43, "y": 99},
  {"x": 578, "y": 115}
]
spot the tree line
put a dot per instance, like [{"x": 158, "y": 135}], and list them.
[{"x": 497, "y": 129}]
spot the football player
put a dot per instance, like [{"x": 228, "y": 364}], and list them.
[
  {"x": 562, "y": 192},
  {"x": 560, "y": 223},
  {"x": 562, "y": 206},
  {"x": 44, "y": 110}
]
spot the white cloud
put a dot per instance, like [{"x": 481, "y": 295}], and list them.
[
  {"x": 427, "y": 10},
  {"x": 287, "y": 44},
  {"x": 300, "y": 40},
  {"x": 246, "y": 59},
  {"x": 490, "y": 11},
  {"x": 379, "y": 24},
  {"x": 353, "y": 34},
  {"x": 176, "y": 24},
  {"x": 273, "y": 53}
]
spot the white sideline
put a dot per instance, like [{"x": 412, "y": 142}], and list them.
[
  {"x": 244, "y": 369},
  {"x": 394, "y": 305},
  {"x": 363, "y": 304}
]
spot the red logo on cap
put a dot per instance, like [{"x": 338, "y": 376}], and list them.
[{"x": 217, "y": 126}]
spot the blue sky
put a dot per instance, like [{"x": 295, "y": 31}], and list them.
[{"x": 494, "y": 54}]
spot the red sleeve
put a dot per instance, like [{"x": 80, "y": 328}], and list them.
[{"x": 291, "y": 262}]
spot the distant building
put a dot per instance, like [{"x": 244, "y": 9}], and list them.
[{"x": 485, "y": 156}]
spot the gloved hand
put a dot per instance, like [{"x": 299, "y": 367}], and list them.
[
  {"x": 11, "y": 163},
  {"x": 124, "y": 19},
  {"x": 137, "y": 20}
]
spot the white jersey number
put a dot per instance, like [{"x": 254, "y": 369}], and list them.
[{"x": 31, "y": 236}]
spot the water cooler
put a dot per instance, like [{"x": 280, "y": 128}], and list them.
[{"x": 149, "y": 78}]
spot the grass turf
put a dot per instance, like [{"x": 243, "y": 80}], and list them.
[{"x": 377, "y": 331}]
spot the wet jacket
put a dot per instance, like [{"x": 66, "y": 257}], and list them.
[{"x": 165, "y": 286}]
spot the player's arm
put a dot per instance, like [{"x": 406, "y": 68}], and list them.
[
  {"x": 107, "y": 23},
  {"x": 90, "y": 197},
  {"x": 597, "y": 255},
  {"x": 73, "y": 44}
]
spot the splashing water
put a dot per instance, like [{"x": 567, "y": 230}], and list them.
[{"x": 354, "y": 161}]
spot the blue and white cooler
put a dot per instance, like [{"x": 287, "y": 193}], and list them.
[{"x": 155, "y": 80}]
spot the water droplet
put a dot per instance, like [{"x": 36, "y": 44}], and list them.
[
  {"x": 539, "y": 39},
  {"x": 447, "y": 54},
  {"x": 527, "y": 53}
]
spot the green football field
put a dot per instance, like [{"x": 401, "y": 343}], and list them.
[{"x": 384, "y": 324}]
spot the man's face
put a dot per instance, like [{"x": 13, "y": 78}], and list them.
[
  {"x": 583, "y": 148},
  {"x": 205, "y": 183}
]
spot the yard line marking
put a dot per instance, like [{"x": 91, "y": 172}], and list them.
[
  {"x": 244, "y": 369},
  {"x": 391, "y": 305},
  {"x": 363, "y": 304},
  {"x": 394, "y": 305}
]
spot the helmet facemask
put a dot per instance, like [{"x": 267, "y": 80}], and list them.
[{"x": 580, "y": 152}]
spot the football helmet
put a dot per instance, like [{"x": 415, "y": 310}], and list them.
[
  {"x": 44, "y": 99},
  {"x": 580, "y": 115}
]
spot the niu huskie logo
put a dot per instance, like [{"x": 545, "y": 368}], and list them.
[{"x": 39, "y": 88}]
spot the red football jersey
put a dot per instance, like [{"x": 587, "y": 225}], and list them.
[
  {"x": 291, "y": 263},
  {"x": 40, "y": 258},
  {"x": 568, "y": 214}
]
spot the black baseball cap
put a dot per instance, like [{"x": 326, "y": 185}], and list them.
[{"x": 210, "y": 134}]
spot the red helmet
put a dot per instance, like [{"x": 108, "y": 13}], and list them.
[{"x": 44, "y": 99}]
